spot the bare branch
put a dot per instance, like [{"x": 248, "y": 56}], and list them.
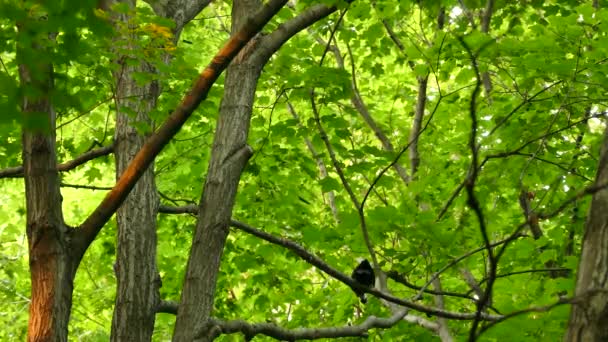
[
  {"x": 331, "y": 196},
  {"x": 323, "y": 266},
  {"x": 485, "y": 28},
  {"x": 472, "y": 201},
  {"x": 394, "y": 275},
  {"x": 187, "y": 209},
  {"x": 417, "y": 124},
  {"x": 573, "y": 300},
  {"x": 469, "y": 278},
  {"x": 180, "y": 11},
  {"x": 17, "y": 171},
  {"x": 89, "y": 187},
  {"x": 216, "y": 327},
  {"x": 540, "y": 270},
  {"x": 443, "y": 328}
]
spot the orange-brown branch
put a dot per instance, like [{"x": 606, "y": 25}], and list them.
[{"x": 93, "y": 224}]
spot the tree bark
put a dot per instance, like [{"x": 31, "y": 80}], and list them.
[
  {"x": 590, "y": 311},
  {"x": 229, "y": 155},
  {"x": 51, "y": 265},
  {"x": 138, "y": 281},
  {"x": 137, "y": 296}
]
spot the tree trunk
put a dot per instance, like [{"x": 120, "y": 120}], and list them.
[
  {"x": 51, "y": 266},
  {"x": 229, "y": 155},
  {"x": 590, "y": 311},
  {"x": 138, "y": 281},
  {"x": 137, "y": 276}
]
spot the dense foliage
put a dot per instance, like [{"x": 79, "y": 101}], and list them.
[{"x": 538, "y": 124}]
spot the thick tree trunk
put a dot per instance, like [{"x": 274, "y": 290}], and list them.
[
  {"x": 229, "y": 155},
  {"x": 138, "y": 281},
  {"x": 590, "y": 312},
  {"x": 51, "y": 265}
]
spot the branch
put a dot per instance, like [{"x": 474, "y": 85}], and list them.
[
  {"x": 417, "y": 123},
  {"x": 524, "y": 102},
  {"x": 187, "y": 209},
  {"x": 455, "y": 261},
  {"x": 215, "y": 327},
  {"x": 402, "y": 151},
  {"x": 89, "y": 229},
  {"x": 345, "y": 184},
  {"x": 443, "y": 328},
  {"x": 590, "y": 190},
  {"x": 334, "y": 160},
  {"x": 485, "y": 28},
  {"x": 573, "y": 300},
  {"x": 514, "y": 152},
  {"x": 540, "y": 270},
  {"x": 17, "y": 171},
  {"x": 472, "y": 200},
  {"x": 167, "y": 306},
  {"x": 331, "y": 196},
  {"x": 324, "y": 267},
  {"x": 357, "y": 101},
  {"x": 180, "y": 11},
  {"x": 469, "y": 278},
  {"x": 272, "y": 42},
  {"x": 89, "y": 187},
  {"x": 399, "y": 278},
  {"x": 321, "y": 265}
]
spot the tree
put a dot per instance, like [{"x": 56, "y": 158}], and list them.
[
  {"x": 588, "y": 310},
  {"x": 452, "y": 144}
]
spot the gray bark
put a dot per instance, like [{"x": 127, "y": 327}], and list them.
[
  {"x": 138, "y": 281},
  {"x": 590, "y": 311},
  {"x": 417, "y": 124},
  {"x": 229, "y": 154}
]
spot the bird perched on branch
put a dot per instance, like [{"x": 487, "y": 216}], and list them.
[{"x": 364, "y": 275}]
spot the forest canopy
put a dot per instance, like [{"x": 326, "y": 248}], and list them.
[{"x": 195, "y": 170}]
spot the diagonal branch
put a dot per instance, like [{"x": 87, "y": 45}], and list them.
[
  {"x": 357, "y": 101},
  {"x": 334, "y": 160},
  {"x": 323, "y": 266},
  {"x": 314, "y": 260},
  {"x": 331, "y": 196},
  {"x": 89, "y": 229},
  {"x": 272, "y": 42}
]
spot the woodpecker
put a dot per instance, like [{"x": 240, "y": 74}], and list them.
[{"x": 364, "y": 275}]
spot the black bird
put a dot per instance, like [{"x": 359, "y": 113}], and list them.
[{"x": 364, "y": 275}]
